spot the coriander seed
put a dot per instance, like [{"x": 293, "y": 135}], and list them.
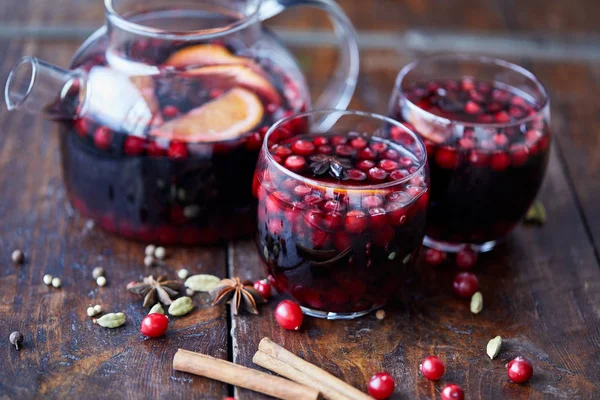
[
  {"x": 18, "y": 257},
  {"x": 182, "y": 273},
  {"x": 16, "y": 338},
  {"x": 47, "y": 279},
  {"x": 101, "y": 281},
  {"x": 149, "y": 261},
  {"x": 98, "y": 272},
  {"x": 380, "y": 314},
  {"x": 160, "y": 253},
  {"x": 149, "y": 251},
  {"x": 91, "y": 311},
  {"x": 98, "y": 308},
  {"x": 56, "y": 282}
]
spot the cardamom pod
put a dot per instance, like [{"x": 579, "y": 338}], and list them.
[
  {"x": 181, "y": 306},
  {"x": 111, "y": 320},
  {"x": 536, "y": 214},
  {"x": 493, "y": 347},
  {"x": 477, "y": 303},
  {"x": 202, "y": 282},
  {"x": 156, "y": 309}
]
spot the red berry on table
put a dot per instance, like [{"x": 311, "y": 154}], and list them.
[
  {"x": 519, "y": 370},
  {"x": 289, "y": 315},
  {"x": 453, "y": 392},
  {"x": 381, "y": 385},
  {"x": 432, "y": 368},
  {"x": 466, "y": 258},
  {"x": 154, "y": 325},
  {"x": 434, "y": 256},
  {"x": 465, "y": 284},
  {"x": 263, "y": 288}
]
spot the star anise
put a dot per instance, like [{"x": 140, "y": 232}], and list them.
[
  {"x": 335, "y": 166},
  {"x": 240, "y": 293},
  {"x": 151, "y": 290}
]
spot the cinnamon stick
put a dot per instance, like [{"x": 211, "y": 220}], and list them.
[
  {"x": 283, "y": 369},
  {"x": 267, "y": 346},
  {"x": 225, "y": 371}
]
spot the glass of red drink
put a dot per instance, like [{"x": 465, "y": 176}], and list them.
[
  {"x": 486, "y": 125},
  {"x": 342, "y": 212}
]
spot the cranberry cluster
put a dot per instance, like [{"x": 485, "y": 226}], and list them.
[
  {"x": 487, "y": 165},
  {"x": 169, "y": 191},
  {"x": 335, "y": 241}
]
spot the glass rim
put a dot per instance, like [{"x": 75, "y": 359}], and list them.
[
  {"x": 482, "y": 60},
  {"x": 121, "y": 21},
  {"x": 315, "y": 182}
]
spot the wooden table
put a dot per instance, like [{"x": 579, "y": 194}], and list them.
[{"x": 541, "y": 287}]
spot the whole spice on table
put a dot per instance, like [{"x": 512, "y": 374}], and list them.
[
  {"x": 149, "y": 250},
  {"x": 101, "y": 281},
  {"x": 536, "y": 214},
  {"x": 381, "y": 385},
  {"x": 97, "y": 272},
  {"x": 160, "y": 253},
  {"x": 519, "y": 370},
  {"x": 154, "y": 325},
  {"x": 476, "y": 303},
  {"x": 181, "y": 306},
  {"x": 157, "y": 308},
  {"x": 111, "y": 320},
  {"x": 182, "y": 273},
  {"x": 17, "y": 257},
  {"x": 153, "y": 290},
  {"x": 149, "y": 261},
  {"x": 453, "y": 392},
  {"x": 92, "y": 312},
  {"x": 242, "y": 294},
  {"x": 380, "y": 314},
  {"x": 16, "y": 338},
  {"x": 56, "y": 282},
  {"x": 289, "y": 315},
  {"x": 493, "y": 347},
  {"x": 47, "y": 279},
  {"x": 202, "y": 282},
  {"x": 432, "y": 368}
]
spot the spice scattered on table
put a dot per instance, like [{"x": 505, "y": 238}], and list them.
[
  {"x": 476, "y": 303},
  {"x": 149, "y": 250},
  {"x": 432, "y": 368},
  {"x": 493, "y": 347},
  {"x": 148, "y": 261},
  {"x": 202, "y": 282},
  {"x": 101, "y": 281},
  {"x": 153, "y": 290},
  {"x": 380, "y": 314},
  {"x": 18, "y": 257},
  {"x": 288, "y": 315},
  {"x": 241, "y": 293},
  {"x": 157, "y": 308},
  {"x": 182, "y": 273},
  {"x": 56, "y": 282},
  {"x": 97, "y": 272},
  {"x": 111, "y": 320},
  {"x": 381, "y": 385},
  {"x": 536, "y": 214},
  {"x": 47, "y": 279},
  {"x": 181, "y": 306},
  {"x": 16, "y": 339},
  {"x": 92, "y": 311},
  {"x": 519, "y": 370},
  {"x": 160, "y": 253}
]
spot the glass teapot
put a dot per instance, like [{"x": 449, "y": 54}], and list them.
[{"x": 164, "y": 109}]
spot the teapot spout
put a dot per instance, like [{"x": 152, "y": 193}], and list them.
[{"x": 37, "y": 87}]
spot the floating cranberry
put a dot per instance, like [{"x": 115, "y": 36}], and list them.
[
  {"x": 432, "y": 368},
  {"x": 367, "y": 154},
  {"x": 332, "y": 220},
  {"x": 465, "y": 284},
  {"x": 500, "y": 140},
  {"x": 134, "y": 145},
  {"x": 365, "y": 165},
  {"x": 377, "y": 217},
  {"x": 472, "y": 108},
  {"x": 302, "y": 190},
  {"x": 170, "y": 111},
  {"x": 434, "y": 256},
  {"x": 254, "y": 141},
  {"x": 356, "y": 221},
  {"x": 289, "y": 315},
  {"x": 388, "y": 165},
  {"x": 379, "y": 146},
  {"x": 344, "y": 150},
  {"x": 479, "y": 158},
  {"x": 102, "y": 138},
  {"x": 337, "y": 140},
  {"x": 377, "y": 174},
  {"x": 372, "y": 201},
  {"x": 398, "y": 174},
  {"x": 466, "y": 143},
  {"x": 320, "y": 141},
  {"x": 356, "y": 175},
  {"x": 295, "y": 163},
  {"x": 519, "y": 154},
  {"x": 324, "y": 149},
  {"x": 466, "y": 257},
  {"x": 154, "y": 325},
  {"x": 282, "y": 151},
  {"x": 499, "y": 161},
  {"x": 453, "y": 392},
  {"x": 446, "y": 157},
  {"x": 502, "y": 117},
  {"x": 303, "y": 147},
  {"x": 519, "y": 370},
  {"x": 263, "y": 288},
  {"x": 358, "y": 143},
  {"x": 155, "y": 150},
  {"x": 177, "y": 150},
  {"x": 396, "y": 212},
  {"x": 381, "y": 385},
  {"x": 333, "y": 205}
]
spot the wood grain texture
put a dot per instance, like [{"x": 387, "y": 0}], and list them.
[{"x": 64, "y": 354}]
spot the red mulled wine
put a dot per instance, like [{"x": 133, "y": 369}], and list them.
[
  {"x": 341, "y": 214},
  {"x": 487, "y": 144},
  {"x": 188, "y": 178}
]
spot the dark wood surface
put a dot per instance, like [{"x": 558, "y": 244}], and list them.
[{"x": 541, "y": 287}]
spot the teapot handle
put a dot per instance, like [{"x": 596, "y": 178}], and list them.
[{"x": 338, "y": 93}]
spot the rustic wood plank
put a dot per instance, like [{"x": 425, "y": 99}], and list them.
[
  {"x": 540, "y": 292},
  {"x": 64, "y": 354}
]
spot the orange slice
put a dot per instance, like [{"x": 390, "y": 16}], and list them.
[
  {"x": 226, "y": 118},
  {"x": 228, "y": 76},
  {"x": 205, "y": 54}
]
